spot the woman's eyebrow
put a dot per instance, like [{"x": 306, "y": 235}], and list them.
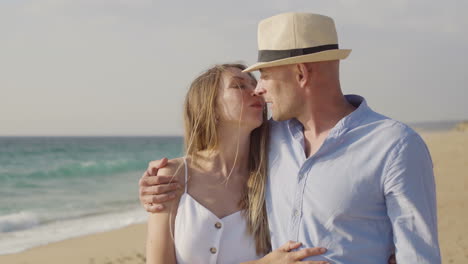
[
  {"x": 236, "y": 80},
  {"x": 237, "y": 77}
]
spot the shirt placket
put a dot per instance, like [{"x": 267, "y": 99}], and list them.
[{"x": 296, "y": 213}]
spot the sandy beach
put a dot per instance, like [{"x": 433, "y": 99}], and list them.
[
  {"x": 450, "y": 156},
  {"x": 449, "y": 151},
  {"x": 124, "y": 245}
]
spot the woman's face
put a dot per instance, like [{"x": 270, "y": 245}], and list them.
[{"x": 236, "y": 103}]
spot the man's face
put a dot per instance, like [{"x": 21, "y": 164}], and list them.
[{"x": 279, "y": 88}]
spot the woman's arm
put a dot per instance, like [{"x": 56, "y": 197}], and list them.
[{"x": 160, "y": 235}]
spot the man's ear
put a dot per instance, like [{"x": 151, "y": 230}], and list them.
[{"x": 302, "y": 74}]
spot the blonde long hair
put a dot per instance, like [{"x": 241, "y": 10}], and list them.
[{"x": 201, "y": 134}]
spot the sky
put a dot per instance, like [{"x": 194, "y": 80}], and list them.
[{"x": 110, "y": 67}]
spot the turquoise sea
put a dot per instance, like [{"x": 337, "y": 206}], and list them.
[{"x": 53, "y": 188}]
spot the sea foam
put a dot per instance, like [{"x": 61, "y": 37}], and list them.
[
  {"x": 18, "y": 221},
  {"x": 36, "y": 235}
]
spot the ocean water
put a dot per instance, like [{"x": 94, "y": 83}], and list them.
[{"x": 54, "y": 188}]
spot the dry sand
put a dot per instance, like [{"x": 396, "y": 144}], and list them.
[{"x": 450, "y": 155}]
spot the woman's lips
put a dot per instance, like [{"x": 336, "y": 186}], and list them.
[{"x": 257, "y": 105}]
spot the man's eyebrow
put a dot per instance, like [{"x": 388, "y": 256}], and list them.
[{"x": 263, "y": 72}]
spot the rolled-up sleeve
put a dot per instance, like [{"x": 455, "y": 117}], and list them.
[{"x": 410, "y": 197}]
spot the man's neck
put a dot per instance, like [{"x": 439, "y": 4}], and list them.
[{"x": 319, "y": 117}]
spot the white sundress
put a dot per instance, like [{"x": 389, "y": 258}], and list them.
[{"x": 203, "y": 238}]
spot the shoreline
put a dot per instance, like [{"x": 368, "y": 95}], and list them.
[
  {"x": 18, "y": 241},
  {"x": 123, "y": 245},
  {"x": 449, "y": 151}
]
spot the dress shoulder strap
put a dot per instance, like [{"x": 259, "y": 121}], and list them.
[{"x": 186, "y": 173}]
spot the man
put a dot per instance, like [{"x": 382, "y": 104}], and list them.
[{"x": 341, "y": 176}]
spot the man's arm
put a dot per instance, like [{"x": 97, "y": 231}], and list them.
[
  {"x": 160, "y": 235},
  {"x": 410, "y": 195}
]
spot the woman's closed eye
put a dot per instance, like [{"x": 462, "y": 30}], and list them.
[{"x": 239, "y": 86}]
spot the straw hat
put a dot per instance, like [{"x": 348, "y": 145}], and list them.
[{"x": 292, "y": 38}]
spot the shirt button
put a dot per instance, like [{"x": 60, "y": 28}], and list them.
[
  {"x": 218, "y": 225},
  {"x": 297, "y": 213},
  {"x": 213, "y": 250}
]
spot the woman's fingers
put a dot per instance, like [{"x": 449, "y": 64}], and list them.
[
  {"x": 308, "y": 252},
  {"x": 290, "y": 245},
  {"x": 283, "y": 254},
  {"x": 312, "y": 262}
]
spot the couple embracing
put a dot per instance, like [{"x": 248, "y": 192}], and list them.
[{"x": 326, "y": 180}]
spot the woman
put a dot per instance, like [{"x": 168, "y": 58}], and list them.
[{"x": 219, "y": 216}]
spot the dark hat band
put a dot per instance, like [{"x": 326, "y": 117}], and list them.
[{"x": 272, "y": 55}]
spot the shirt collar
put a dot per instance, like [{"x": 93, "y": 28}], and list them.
[{"x": 348, "y": 122}]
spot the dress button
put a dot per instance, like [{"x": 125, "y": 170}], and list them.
[
  {"x": 218, "y": 225},
  {"x": 213, "y": 250}
]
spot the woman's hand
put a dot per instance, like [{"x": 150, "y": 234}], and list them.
[{"x": 283, "y": 255}]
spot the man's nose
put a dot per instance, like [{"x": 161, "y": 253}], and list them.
[{"x": 259, "y": 90}]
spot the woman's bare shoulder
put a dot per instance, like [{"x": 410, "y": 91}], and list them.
[{"x": 175, "y": 167}]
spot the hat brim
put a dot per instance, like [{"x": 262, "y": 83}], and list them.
[{"x": 328, "y": 55}]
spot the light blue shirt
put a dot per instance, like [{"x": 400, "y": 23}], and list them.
[{"x": 367, "y": 192}]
